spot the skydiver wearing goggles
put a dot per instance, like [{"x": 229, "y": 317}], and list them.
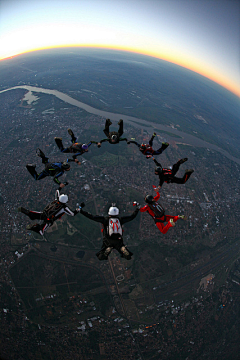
[
  {"x": 147, "y": 150},
  {"x": 76, "y": 148},
  {"x": 168, "y": 175}
]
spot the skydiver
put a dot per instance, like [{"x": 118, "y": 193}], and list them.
[
  {"x": 55, "y": 169},
  {"x": 168, "y": 175},
  {"x": 157, "y": 212},
  {"x": 112, "y": 231},
  {"x": 52, "y": 212},
  {"x": 146, "y": 149},
  {"x": 76, "y": 148},
  {"x": 113, "y": 137}
]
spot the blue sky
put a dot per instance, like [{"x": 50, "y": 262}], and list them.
[{"x": 202, "y": 35}]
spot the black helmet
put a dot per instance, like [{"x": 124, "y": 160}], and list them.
[
  {"x": 65, "y": 166},
  {"x": 149, "y": 199},
  {"x": 158, "y": 169}
]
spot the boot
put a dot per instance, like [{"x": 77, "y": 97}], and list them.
[
  {"x": 108, "y": 122},
  {"x": 181, "y": 161},
  {"x": 101, "y": 255},
  {"x": 31, "y": 169},
  {"x": 40, "y": 153},
  {"x": 189, "y": 171},
  {"x": 72, "y": 135},
  {"x": 70, "y": 132},
  {"x": 58, "y": 141},
  {"x": 34, "y": 227},
  {"x": 165, "y": 145},
  {"x": 120, "y": 122},
  {"x": 108, "y": 250},
  {"x": 126, "y": 253},
  {"x": 183, "y": 217},
  {"x": 23, "y": 210}
]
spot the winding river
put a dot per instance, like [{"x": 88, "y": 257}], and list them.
[{"x": 139, "y": 123}]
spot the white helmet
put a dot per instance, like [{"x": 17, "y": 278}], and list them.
[
  {"x": 63, "y": 199},
  {"x": 113, "y": 211}
]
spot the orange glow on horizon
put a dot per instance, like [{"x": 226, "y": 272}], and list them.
[{"x": 208, "y": 73}]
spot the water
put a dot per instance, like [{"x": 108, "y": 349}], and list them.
[{"x": 139, "y": 123}]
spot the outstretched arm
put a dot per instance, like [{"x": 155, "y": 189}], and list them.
[
  {"x": 70, "y": 212},
  {"x": 156, "y": 162},
  {"x": 126, "y": 219},
  {"x": 56, "y": 180},
  {"x": 96, "y": 218}
]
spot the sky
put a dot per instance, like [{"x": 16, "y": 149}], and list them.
[{"x": 201, "y": 35}]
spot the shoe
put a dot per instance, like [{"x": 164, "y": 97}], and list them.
[
  {"x": 120, "y": 121},
  {"x": 40, "y": 153},
  {"x": 108, "y": 121},
  {"x": 31, "y": 227},
  {"x": 165, "y": 145},
  {"x": 154, "y": 134},
  {"x": 172, "y": 222},
  {"x": 181, "y": 161},
  {"x": 58, "y": 138},
  {"x": 183, "y": 217},
  {"x": 124, "y": 250},
  {"x": 70, "y": 132},
  {"x": 23, "y": 210},
  {"x": 189, "y": 171},
  {"x": 108, "y": 250}
]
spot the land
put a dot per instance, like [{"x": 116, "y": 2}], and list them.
[{"x": 179, "y": 295}]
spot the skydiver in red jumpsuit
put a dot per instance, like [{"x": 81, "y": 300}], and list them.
[{"x": 158, "y": 213}]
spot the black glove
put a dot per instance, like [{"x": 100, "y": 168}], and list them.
[{"x": 65, "y": 183}]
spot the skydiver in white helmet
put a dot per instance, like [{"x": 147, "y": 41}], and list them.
[
  {"x": 112, "y": 231},
  {"x": 52, "y": 212}
]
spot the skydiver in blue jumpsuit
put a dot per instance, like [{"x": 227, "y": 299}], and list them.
[
  {"x": 55, "y": 169},
  {"x": 76, "y": 148}
]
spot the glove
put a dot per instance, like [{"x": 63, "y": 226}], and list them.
[
  {"x": 135, "y": 203},
  {"x": 65, "y": 183},
  {"x": 148, "y": 156},
  {"x": 82, "y": 204}
]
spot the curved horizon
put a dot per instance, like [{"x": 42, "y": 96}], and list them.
[{"x": 210, "y": 74}]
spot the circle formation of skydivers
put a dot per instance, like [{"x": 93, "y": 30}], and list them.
[{"x": 112, "y": 223}]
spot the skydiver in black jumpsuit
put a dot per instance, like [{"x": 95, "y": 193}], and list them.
[
  {"x": 168, "y": 175},
  {"x": 52, "y": 212},
  {"x": 112, "y": 238},
  {"x": 113, "y": 137}
]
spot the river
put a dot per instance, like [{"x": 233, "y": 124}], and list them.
[{"x": 139, "y": 123}]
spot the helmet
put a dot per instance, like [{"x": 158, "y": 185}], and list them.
[
  {"x": 158, "y": 169},
  {"x": 63, "y": 199},
  {"x": 114, "y": 137},
  {"x": 65, "y": 166},
  {"x": 84, "y": 147},
  {"x": 143, "y": 147},
  {"x": 149, "y": 199},
  {"x": 113, "y": 211}
]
